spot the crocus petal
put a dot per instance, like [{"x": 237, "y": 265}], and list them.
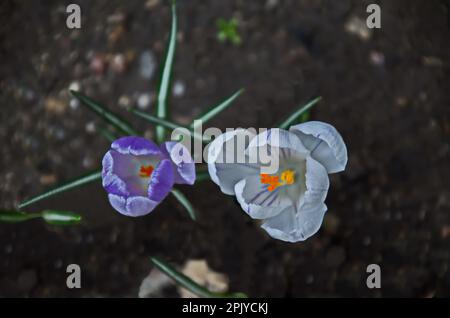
[
  {"x": 119, "y": 203},
  {"x": 317, "y": 182},
  {"x": 294, "y": 226},
  {"x": 138, "y": 206},
  {"x": 111, "y": 182},
  {"x": 279, "y": 138},
  {"x": 257, "y": 201},
  {"x": 184, "y": 166},
  {"x": 324, "y": 142},
  {"x": 226, "y": 174},
  {"x": 137, "y": 146},
  {"x": 268, "y": 148},
  {"x": 132, "y": 206},
  {"x": 161, "y": 181}
]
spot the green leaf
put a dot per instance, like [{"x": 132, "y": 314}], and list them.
[
  {"x": 50, "y": 216},
  {"x": 185, "y": 202},
  {"x": 166, "y": 124},
  {"x": 105, "y": 114},
  {"x": 107, "y": 134},
  {"x": 294, "y": 117},
  {"x": 202, "y": 176},
  {"x": 164, "y": 83},
  {"x": 215, "y": 110},
  {"x": 189, "y": 284},
  {"x": 228, "y": 30},
  {"x": 78, "y": 182},
  {"x": 304, "y": 117},
  {"x": 155, "y": 120},
  {"x": 60, "y": 217},
  {"x": 10, "y": 216}
]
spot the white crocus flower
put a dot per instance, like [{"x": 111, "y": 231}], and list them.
[{"x": 289, "y": 199}]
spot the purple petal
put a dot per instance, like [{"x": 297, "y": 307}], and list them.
[
  {"x": 132, "y": 206},
  {"x": 161, "y": 181},
  {"x": 111, "y": 182},
  {"x": 137, "y": 146},
  {"x": 114, "y": 185},
  {"x": 184, "y": 166},
  {"x": 138, "y": 206},
  {"x": 107, "y": 163},
  {"x": 118, "y": 203}
]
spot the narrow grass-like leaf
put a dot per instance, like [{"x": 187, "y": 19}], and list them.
[
  {"x": 10, "y": 216},
  {"x": 202, "y": 176},
  {"x": 294, "y": 117},
  {"x": 155, "y": 120},
  {"x": 215, "y": 110},
  {"x": 165, "y": 124},
  {"x": 185, "y": 202},
  {"x": 107, "y": 134},
  {"x": 50, "y": 216},
  {"x": 164, "y": 83},
  {"x": 60, "y": 217},
  {"x": 189, "y": 284},
  {"x": 115, "y": 120},
  {"x": 304, "y": 117},
  {"x": 76, "y": 183}
]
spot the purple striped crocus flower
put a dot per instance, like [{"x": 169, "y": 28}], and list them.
[{"x": 138, "y": 174}]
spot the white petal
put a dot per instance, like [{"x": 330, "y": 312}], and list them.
[
  {"x": 317, "y": 182},
  {"x": 223, "y": 161},
  {"x": 295, "y": 226},
  {"x": 266, "y": 148},
  {"x": 324, "y": 142},
  {"x": 279, "y": 138},
  {"x": 257, "y": 201}
]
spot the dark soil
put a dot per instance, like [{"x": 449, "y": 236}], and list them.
[{"x": 386, "y": 92}]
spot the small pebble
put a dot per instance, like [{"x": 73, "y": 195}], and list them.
[
  {"x": 55, "y": 105},
  {"x": 358, "y": 27},
  {"x": 147, "y": 65},
  {"x": 90, "y": 127},
  {"x": 271, "y": 4},
  {"x": 144, "y": 101},
  {"x": 48, "y": 179},
  {"x": 150, "y": 4},
  {"x": 74, "y": 103},
  {"x": 98, "y": 64},
  {"x": 377, "y": 58},
  {"x": 178, "y": 89},
  {"x": 118, "y": 64},
  {"x": 124, "y": 101},
  {"x": 88, "y": 162},
  {"x": 74, "y": 86}
]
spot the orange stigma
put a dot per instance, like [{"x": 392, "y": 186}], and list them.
[
  {"x": 287, "y": 177},
  {"x": 146, "y": 171}
]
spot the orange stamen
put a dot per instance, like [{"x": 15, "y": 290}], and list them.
[
  {"x": 287, "y": 177},
  {"x": 146, "y": 171}
]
